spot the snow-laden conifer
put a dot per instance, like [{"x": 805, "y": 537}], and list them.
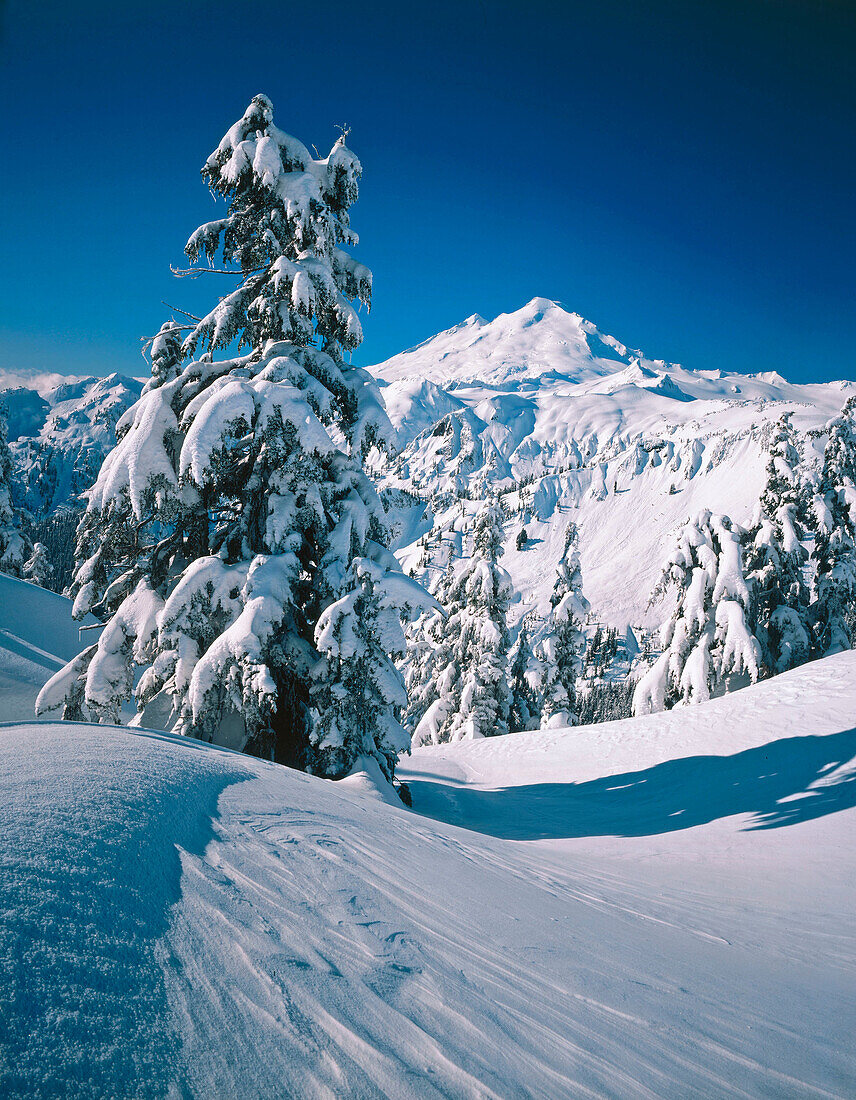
[
  {"x": 561, "y": 642},
  {"x": 776, "y": 557},
  {"x": 358, "y": 691},
  {"x": 38, "y": 568},
  {"x": 233, "y": 543},
  {"x": 15, "y": 547},
  {"x": 523, "y": 677},
  {"x": 834, "y": 554},
  {"x": 467, "y": 669},
  {"x": 425, "y": 636},
  {"x": 707, "y": 640}
]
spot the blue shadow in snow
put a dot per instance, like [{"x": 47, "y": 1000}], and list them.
[{"x": 772, "y": 782}]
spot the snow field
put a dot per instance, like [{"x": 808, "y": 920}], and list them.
[{"x": 617, "y": 910}]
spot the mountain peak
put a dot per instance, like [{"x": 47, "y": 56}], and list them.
[
  {"x": 542, "y": 337},
  {"x": 543, "y": 305}
]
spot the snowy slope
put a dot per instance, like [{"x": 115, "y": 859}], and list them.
[
  {"x": 37, "y": 637},
  {"x": 59, "y": 437},
  {"x": 569, "y": 424},
  {"x": 616, "y": 912}
]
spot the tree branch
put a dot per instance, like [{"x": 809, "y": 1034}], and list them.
[
  {"x": 195, "y": 272},
  {"x": 184, "y": 313}
]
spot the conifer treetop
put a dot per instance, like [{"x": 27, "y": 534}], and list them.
[
  {"x": 839, "y": 456},
  {"x": 708, "y": 637},
  {"x": 288, "y": 215}
]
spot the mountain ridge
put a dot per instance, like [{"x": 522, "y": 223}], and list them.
[
  {"x": 565, "y": 422},
  {"x": 60, "y": 436},
  {"x": 505, "y": 349}
]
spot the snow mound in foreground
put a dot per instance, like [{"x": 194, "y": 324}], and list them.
[{"x": 182, "y": 920}]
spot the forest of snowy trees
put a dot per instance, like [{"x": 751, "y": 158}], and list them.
[
  {"x": 753, "y": 602},
  {"x": 235, "y": 546}
]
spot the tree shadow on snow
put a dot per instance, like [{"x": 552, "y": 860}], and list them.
[{"x": 773, "y": 782}]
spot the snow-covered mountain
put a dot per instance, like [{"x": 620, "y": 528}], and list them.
[
  {"x": 59, "y": 437},
  {"x": 571, "y": 425},
  {"x": 541, "y": 338}
]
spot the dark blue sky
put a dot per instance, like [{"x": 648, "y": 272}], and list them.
[{"x": 683, "y": 174}]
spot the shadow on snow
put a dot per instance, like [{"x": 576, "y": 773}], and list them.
[{"x": 773, "y": 782}]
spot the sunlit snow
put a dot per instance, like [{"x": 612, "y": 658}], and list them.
[{"x": 657, "y": 907}]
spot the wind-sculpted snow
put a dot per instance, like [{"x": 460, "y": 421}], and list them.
[
  {"x": 92, "y": 834},
  {"x": 181, "y": 920}
]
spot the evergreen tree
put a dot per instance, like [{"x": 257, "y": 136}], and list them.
[
  {"x": 523, "y": 706},
  {"x": 424, "y": 638},
  {"x": 15, "y": 547},
  {"x": 834, "y": 555},
  {"x": 358, "y": 690},
  {"x": 57, "y": 533},
  {"x": 38, "y": 568},
  {"x": 776, "y": 557},
  {"x": 606, "y": 702},
  {"x": 467, "y": 669},
  {"x": 561, "y": 644},
  {"x": 707, "y": 640},
  {"x": 232, "y": 542}
]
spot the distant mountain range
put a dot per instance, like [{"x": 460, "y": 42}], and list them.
[{"x": 59, "y": 437}]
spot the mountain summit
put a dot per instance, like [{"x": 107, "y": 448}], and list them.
[{"x": 543, "y": 337}]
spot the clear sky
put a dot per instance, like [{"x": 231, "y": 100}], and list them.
[{"x": 682, "y": 173}]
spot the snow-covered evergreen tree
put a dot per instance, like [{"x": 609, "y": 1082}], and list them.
[
  {"x": 37, "y": 568},
  {"x": 467, "y": 669},
  {"x": 233, "y": 543},
  {"x": 523, "y": 706},
  {"x": 776, "y": 557},
  {"x": 15, "y": 547},
  {"x": 425, "y": 636},
  {"x": 834, "y": 554},
  {"x": 606, "y": 702},
  {"x": 358, "y": 691},
  {"x": 57, "y": 533},
  {"x": 707, "y": 641},
  {"x": 561, "y": 643}
]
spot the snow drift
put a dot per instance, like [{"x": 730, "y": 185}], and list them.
[{"x": 658, "y": 907}]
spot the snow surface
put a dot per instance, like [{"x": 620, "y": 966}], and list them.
[
  {"x": 657, "y": 907},
  {"x": 37, "y": 637}
]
